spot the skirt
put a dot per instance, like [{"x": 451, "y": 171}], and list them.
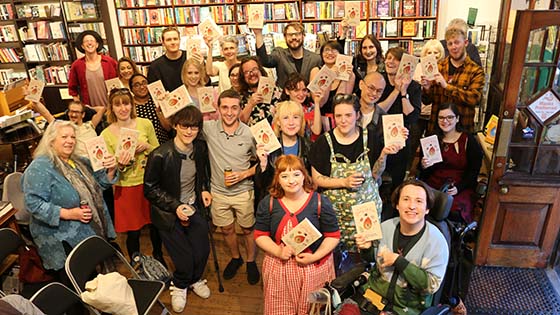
[{"x": 132, "y": 209}]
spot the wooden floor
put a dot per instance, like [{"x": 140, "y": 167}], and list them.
[{"x": 238, "y": 298}]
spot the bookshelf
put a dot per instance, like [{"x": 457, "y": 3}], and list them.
[{"x": 407, "y": 23}]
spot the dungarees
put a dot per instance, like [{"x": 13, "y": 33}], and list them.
[{"x": 343, "y": 199}]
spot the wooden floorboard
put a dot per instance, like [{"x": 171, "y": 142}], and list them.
[{"x": 238, "y": 298}]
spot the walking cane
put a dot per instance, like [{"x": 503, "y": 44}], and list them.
[{"x": 213, "y": 246}]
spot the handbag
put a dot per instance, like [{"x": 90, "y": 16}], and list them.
[
  {"x": 317, "y": 300},
  {"x": 31, "y": 268},
  {"x": 149, "y": 268},
  {"x": 110, "y": 293}
]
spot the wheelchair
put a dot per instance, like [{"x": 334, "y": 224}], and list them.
[{"x": 454, "y": 286}]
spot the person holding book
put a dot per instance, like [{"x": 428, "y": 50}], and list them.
[
  {"x": 290, "y": 274},
  {"x": 178, "y": 201},
  {"x": 125, "y": 69},
  {"x": 329, "y": 51},
  {"x": 346, "y": 163},
  {"x": 252, "y": 102},
  {"x": 229, "y": 48},
  {"x": 296, "y": 90},
  {"x": 132, "y": 210},
  {"x": 412, "y": 249},
  {"x": 462, "y": 159},
  {"x": 295, "y": 58},
  {"x": 194, "y": 77},
  {"x": 168, "y": 66},
  {"x": 86, "y": 80}
]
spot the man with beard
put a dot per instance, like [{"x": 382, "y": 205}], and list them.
[
  {"x": 460, "y": 80},
  {"x": 288, "y": 60},
  {"x": 472, "y": 51},
  {"x": 167, "y": 68}
]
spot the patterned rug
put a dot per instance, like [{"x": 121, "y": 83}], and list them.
[{"x": 511, "y": 291}]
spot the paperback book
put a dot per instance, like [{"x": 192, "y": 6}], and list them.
[{"x": 302, "y": 236}]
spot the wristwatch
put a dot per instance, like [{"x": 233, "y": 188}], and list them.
[{"x": 405, "y": 96}]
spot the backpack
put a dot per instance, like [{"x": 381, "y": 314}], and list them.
[{"x": 150, "y": 268}]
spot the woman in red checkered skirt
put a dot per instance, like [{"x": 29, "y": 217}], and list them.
[{"x": 289, "y": 277}]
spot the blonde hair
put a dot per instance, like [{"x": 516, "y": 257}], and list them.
[
  {"x": 45, "y": 145},
  {"x": 451, "y": 32},
  {"x": 287, "y": 108},
  {"x": 458, "y": 23},
  {"x": 433, "y": 44},
  {"x": 201, "y": 70}
]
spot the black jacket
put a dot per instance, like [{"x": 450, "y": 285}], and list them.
[{"x": 162, "y": 183}]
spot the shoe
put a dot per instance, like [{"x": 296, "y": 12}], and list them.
[
  {"x": 178, "y": 298},
  {"x": 253, "y": 274},
  {"x": 161, "y": 260},
  {"x": 201, "y": 289},
  {"x": 231, "y": 268}
]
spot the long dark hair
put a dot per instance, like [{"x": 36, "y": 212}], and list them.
[
  {"x": 376, "y": 43},
  {"x": 242, "y": 81}
]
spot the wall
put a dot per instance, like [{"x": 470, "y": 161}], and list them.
[{"x": 488, "y": 12}]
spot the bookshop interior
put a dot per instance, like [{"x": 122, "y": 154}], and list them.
[{"x": 280, "y": 157}]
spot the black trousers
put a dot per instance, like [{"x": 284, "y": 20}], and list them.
[{"x": 189, "y": 248}]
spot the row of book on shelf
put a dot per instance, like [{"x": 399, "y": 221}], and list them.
[
  {"x": 145, "y": 3},
  {"x": 402, "y": 8},
  {"x": 49, "y": 52},
  {"x": 7, "y": 12},
  {"x": 50, "y": 75},
  {"x": 79, "y": 10},
  {"x": 9, "y": 55},
  {"x": 42, "y": 30},
  {"x": 41, "y": 10}
]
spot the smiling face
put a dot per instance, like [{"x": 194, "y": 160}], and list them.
[
  {"x": 76, "y": 113},
  {"x": 329, "y": 55},
  {"x": 391, "y": 64},
  {"x": 186, "y": 134},
  {"x": 433, "y": 52},
  {"x": 291, "y": 181},
  {"x": 171, "y": 41},
  {"x": 252, "y": 73},
  {"x": 229, "y": 111},
  {"x": 294, "y": 38},
  {"x": 192, "y": 76},
  {"x": 369, "y": 52},
  {"x": 447, "y": 120},
  {"x": 299, "y": 94},
  {"x": 125, "y": 70},
  {"x": 229, "y": 51},
  {"x": 64, "y": 142},
  {"x": 139, "y": 86},
  {"x": 90, "y": 44},
  {"x": 122, "y": 107},
  {"x": 290, "y": 123},
  {"x": 372, "y": 87},
  {"x": 457, "y": 47},
  {"x": 234, "y": 78},
  {"x": 345, "y": 118},
  {"x": 412, "y": 207}
]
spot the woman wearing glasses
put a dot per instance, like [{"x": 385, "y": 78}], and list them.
[
  {"x": 146, "y": 108},
  {"x": 228, "y": 47},
  {"x": 132, "y": 210},
  {"x": 178, "y": 200},
  {"x": 329, "y": 52},
  {"x": 462, "y": 158},
  {"x": 234, "y": 77},
  {"x": 345, "y": 164}
]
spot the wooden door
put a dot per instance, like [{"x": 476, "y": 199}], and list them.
[{"x": 521, "y": 220}]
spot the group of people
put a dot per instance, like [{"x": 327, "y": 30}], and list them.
[{"x": 194, "y": 161}]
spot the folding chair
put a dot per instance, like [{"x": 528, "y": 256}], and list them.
[
  {"x": 12, "y": 192},
  {"x": 56, "y": 299},
  {"x": 81, "y": 266},
  {"x": 10, "y": 241}
]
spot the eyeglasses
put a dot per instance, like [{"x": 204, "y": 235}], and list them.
[
  {"x": 78, "y": 112},
  {"x": 252, "y": 71},
  {"x": 373, "y": 89},
  {"x": 192, "y": 127},
  {"x": 296, "y": 34},
  {"x": 235, "y": 75},
  {"x": 448, "y": 118},
  {"x": 139, "y": 84},
  {"x": 119, "y": 91},
  {"x": 330, "y": 51},
  {"x": 345, "y": 99}
]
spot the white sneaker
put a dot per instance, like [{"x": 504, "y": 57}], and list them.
[
  {"x": 178, "y": 298},
  {"x": 201, "y": 289}
]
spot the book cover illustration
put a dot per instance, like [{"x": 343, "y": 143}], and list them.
[
  {"x": 128, "y": 139},
  {"x": 382, "y": 8},
  {"x": 263, "y": 133},
  {"x": 157, "y": 91},
  {"x": 322, "y": 80},
  {"x": 431, "y": 150},
  {"x": 301, "y": 236},
  {"x": 97, "y": 151},
  {"x": 35, "y": 90},
  {"x": 175, "y": 101},
  {"x": 194, "y": 46},
  {"x": 206, "y": 99},
  {"x": 429, "y": 66},
  {"x": 352, "y": 12},
  {"x": 407, "y": 66},
  {"x": 367, "y": 222},
  {"x": 256, "y": 16},
  {"x": 208, "y": 28},
  {"x": 490, "y": 129},
  {"x": 392, "y": 125},
  {"x": 266, "y": 88},
  {"x": 114, "y": 83},
  {"x": 88, "y": 9},
  {"x": 343, "y": 65}
]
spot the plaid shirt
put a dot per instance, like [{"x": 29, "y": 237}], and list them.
[{"x": 464, "y": 89}]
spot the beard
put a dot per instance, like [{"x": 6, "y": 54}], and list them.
[
  {"x": 461, "y": 56},
  {"x": 295, "y": 44}
]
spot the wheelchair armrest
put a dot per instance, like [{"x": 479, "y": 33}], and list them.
[
  {"x": 345, "y": 280},
  {"x": 437, "y": 310}
]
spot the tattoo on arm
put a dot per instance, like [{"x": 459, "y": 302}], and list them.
[{"x": 379, "y": 167}]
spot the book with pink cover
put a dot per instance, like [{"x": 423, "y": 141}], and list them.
[
  {"x": 175, "y": 101},
  {"x": 206, "y": 96},
  {"x": 158, "y": 92},
  {"x": 128, "y": 139},
  {"x": 114, "y": 83},
  {"x": 255, "y": 16},
  {"x": 392, "y": 125},
  {"x": 302, "y": 236},
  {"x": 342, "y": 65},
  {"x": 210, "y": 29},
  {"x": 322, "y": 80},
  {"x": 352, "y": 12},
  {"x": 35, "y": 90},
  {"x": 97, "y": 151},
  {"x": 367, "y": 222},
  {"x": 407, "y": 66},
  {"x": 266, "y": 88},
  {"x": 431, "y": 150},
  {"x": 263, "y": 133},
  {"x": 429, "y": 66}
]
